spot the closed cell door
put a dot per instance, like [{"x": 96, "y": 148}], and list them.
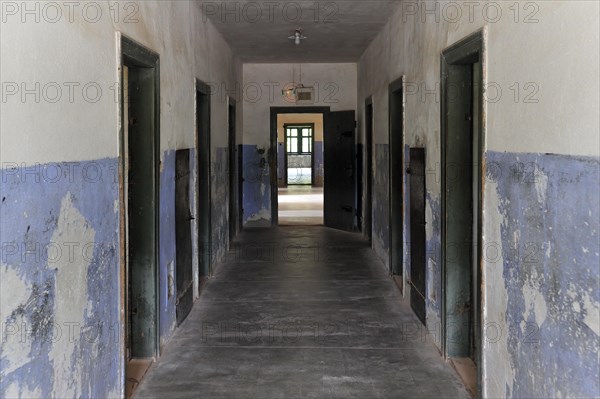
[
  {"x": 417, "y": 231},
  {"x": 183, "y": 234}
]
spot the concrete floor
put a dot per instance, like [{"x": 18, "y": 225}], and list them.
[
  {"x": 300, "y": 312},
  {"x": 300, "y": 206}
]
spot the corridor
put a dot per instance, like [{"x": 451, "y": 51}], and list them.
[
  {"x": 246, "y": 199},
  {"x": 300, "y": 312},
  {"x": 300, "y": 205}
]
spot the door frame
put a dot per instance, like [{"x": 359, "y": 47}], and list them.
[
  {"x": 204, "y": 242},
  {"x": 396, "y": 140},
  {"x": 133, "y": 53},
  {"x": 312, "y": 153},
  {"x": 367, "y": 223},
  {"x": 272, "y": 153},
  {"x": 463, "y": 52}
]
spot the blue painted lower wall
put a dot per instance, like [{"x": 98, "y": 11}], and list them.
[
  {"x": 548, "y": 208},
  {"x": 60, "y": 257},
  {"x": 167, "y": 247},
  {"x": 60, "y": 280},
  {"x": 433, "y": 280},
  {"x": 256, "y": 187}
]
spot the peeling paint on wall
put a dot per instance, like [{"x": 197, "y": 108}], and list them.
[
  {"x": 12, "y": 308},
  {"x": 381, "y": 204},
  {"x": 71, "y": 301},
  {"x": 60, "y": 269},
  {"x": 548, "y": 212},
  {"x": 167, "y": 247},
  {"x": 498, "y": 369},
  {"x": 433, "y": 276}
]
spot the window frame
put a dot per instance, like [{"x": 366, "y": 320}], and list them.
[{"x": 299, "y": 138}]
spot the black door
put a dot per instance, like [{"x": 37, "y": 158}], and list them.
[
  {"x": 340, "y": 180},
  {"x": 183, "y": 234},
  {"x": 240, "y": 187},
  {"x": 368, "y": 216},
  {"x": 232, "y": 175},
  {"x": 203, "y": 213},
  {"x": 359, "y": 187},
  {"x": 458, "y": 209},
  {"x": 417, "y": 231},
  {"x": 396, "y": 182}
]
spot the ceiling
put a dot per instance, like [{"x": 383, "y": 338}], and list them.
[{"x": 336, "y": 31}]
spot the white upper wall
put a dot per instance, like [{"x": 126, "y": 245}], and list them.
[
  {"x": 545, "y": 50},
  {"x": 335, "y": 87},
  {"x": 79, "y": 49},
  {"x": 559, "y": 56}
]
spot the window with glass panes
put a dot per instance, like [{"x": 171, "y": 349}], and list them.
[{"x": 299, "y": 139}]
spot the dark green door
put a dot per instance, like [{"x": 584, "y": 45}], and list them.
[
  {"x": 141, "y": 212},
  {"x": 417, "y": 231},
  {"x": 459, "y": 207},
  {"x": 183, "y": 235}
]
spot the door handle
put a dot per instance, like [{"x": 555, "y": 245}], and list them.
[{"x": 347, "y": 208}]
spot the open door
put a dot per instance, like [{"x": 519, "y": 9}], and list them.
[{"x": 340, "y": 173}]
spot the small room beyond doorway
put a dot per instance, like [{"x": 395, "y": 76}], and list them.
[{"x": 300, "y": 168}]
